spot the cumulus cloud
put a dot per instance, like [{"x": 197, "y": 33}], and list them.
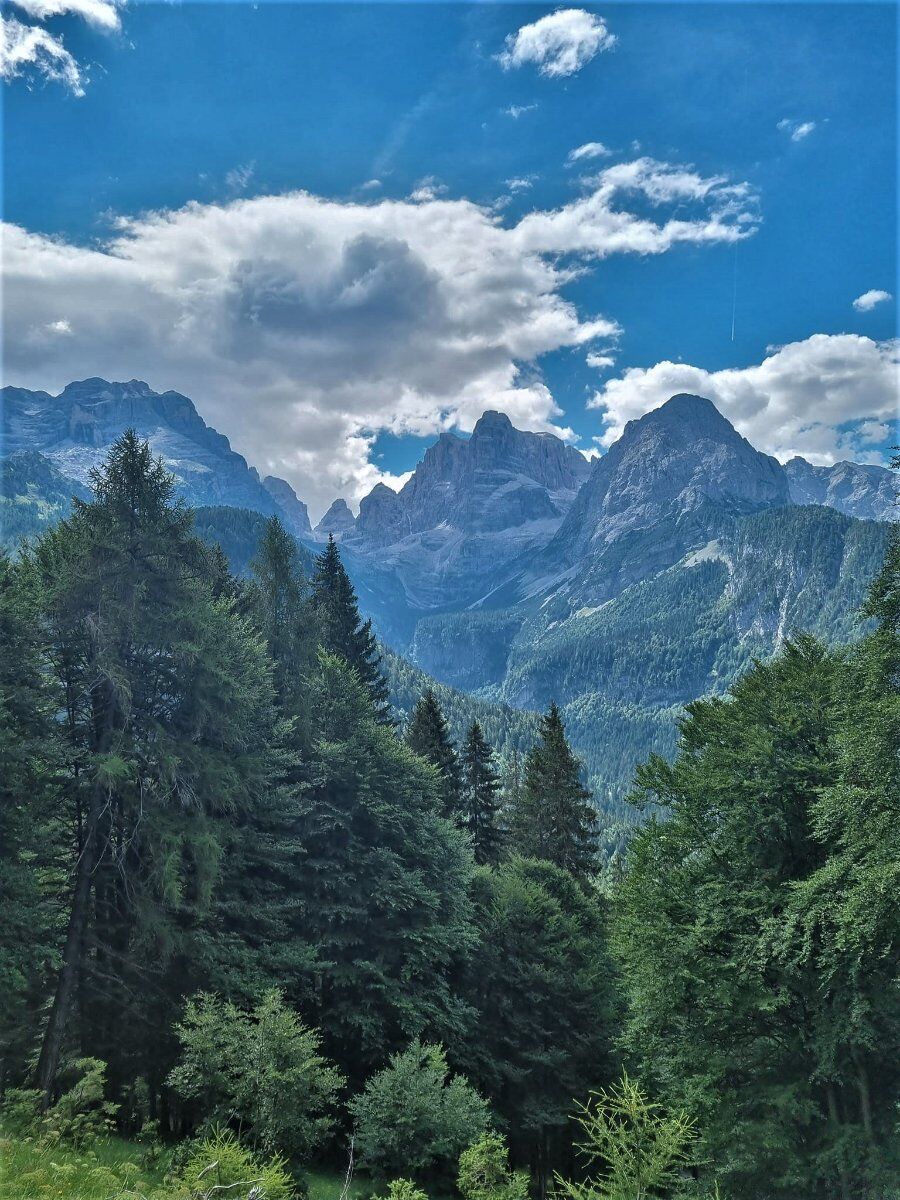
[
  {"x": 559, "y": 44},
  {"x": 867, "y": 301},
  {"x": 588, "y": 150},
  {"x": 798, "y": 130},
  {"x": 600, "y": 362},
  {"x": 303, "y": 327},
  {"x": 825, "y": 398}
]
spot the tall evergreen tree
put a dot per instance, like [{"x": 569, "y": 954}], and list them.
[
  {"x": 383, "y": 890},
  {"x": 341, "y": 629},
  {"x": 427, "y": 734},
  {"x": 554, "y": 819},
  {"x": 32, "y": 838},
  {"x": 479, "y": 796},
  {"x": 167, "y": 697},
  {"x": 758, "y": 924}
]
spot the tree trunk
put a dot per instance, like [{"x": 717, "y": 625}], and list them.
[
  {"x": 48, "y": 1063},
  {"x": 836, "y": 1122}
]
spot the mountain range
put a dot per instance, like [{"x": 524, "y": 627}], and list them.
[{"x": 512, "y": 568}]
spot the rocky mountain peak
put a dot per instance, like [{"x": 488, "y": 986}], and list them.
[
  {"x": 338, "y": 520},
  {"x": 292, "y": 509}
]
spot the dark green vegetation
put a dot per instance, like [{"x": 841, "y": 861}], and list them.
[
  {"x": 33, "y": 494},
  {"x": 247, "y": 916}
]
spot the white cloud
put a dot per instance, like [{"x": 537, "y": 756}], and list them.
[
  {"x": 822, "y": 398},
  {"x": 371, "y": 185},
  {"x": 238, "y": 179},
  {"x": 28, "y": 48},
  {"x": 426, "y": 189},
  {"x": 867, "y": 301},
  {"x": 303, "y": 327},
  {"x": 797, "y": 129},
  {"x": 103, "y": 14},
  {"x": 600, "y": 362},
  {"x": 559, "y": 44},
  {"x": 518, "y": 110},
  {"x": 521, "y": 183},
  {"x": 588, "y": 150}
]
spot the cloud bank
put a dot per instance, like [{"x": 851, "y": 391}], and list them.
[
  {"x": 304, "y": 327},
  {"x": 825, "y": 398}
]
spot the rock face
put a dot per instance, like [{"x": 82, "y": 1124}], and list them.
[
  {"x": 866, "y": 492},
  {"x": 337, "y": 521},
  {"x": 293, "y": 511},
  {"x": 472, "y": 506},
  {"x": 668, "y": 484},
  {"x": 75, "y": 429}
]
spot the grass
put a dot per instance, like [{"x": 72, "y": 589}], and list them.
[
  {"x": 32, "y": 1171},
  {"x": 113, "y": 1170}
]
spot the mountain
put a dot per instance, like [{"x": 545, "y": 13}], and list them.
[
  {"x": 75, "y": 429},
  {"x": 337, "y": 521},
  {"x": 292, "y": 510},
  {"x": 667, "y": 485},
  {"x": 33, "y": 495},
  {"x": 472, "y": 506},
  {"x": 867, "y": 492}
]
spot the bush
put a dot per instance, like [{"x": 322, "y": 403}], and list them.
[
  {"x": 402, "y": 1189},
  {"x": 642, "y": 1150},
  {"x": 412, "y": 1118},
  {"x": 484, "y": 1172},
  {"x": 220, "y": 1162},
  {"x": 261, "y": 1068}
]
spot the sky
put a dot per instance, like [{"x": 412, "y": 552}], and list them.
[{"x": 342, "y": 228}]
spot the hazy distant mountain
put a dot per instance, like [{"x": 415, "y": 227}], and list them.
[
  {"x": 75, "y": 429},
  {"x": 858, "y": 490},
  {"x": 337, "y": 521},
  {"x": 472, "y": 506}
]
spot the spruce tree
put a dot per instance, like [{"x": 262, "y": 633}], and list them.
[
  {"x": 341, "y": 629},
  {"x": 169, "y": 716},
  {"x": 554, "y": 819},
  {"x": 427, "y": 734},
  {"x": 479, "y": 796}
]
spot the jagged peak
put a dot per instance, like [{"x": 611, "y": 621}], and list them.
[{"x": 492, "y": 419}]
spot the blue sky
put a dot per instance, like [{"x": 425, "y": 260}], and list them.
[{"x": 220, "y": 105}]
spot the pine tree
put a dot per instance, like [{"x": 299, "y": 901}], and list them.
[
  {"x": 341, "y": 629},
  {"x": 554, "y": 819},
  {"x": 428, "y": 736},
  {"x": 479, "y": 796},
  {"x": 169, "y": 715}
]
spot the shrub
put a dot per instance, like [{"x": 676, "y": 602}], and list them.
[
  {"x": 261, "y": 1068},
  {"x": 412, "y": 1118},
  {"x": 220, "y": 1162},
  {"x": 642, "y": 1150},
  {"x": 484, "y": 1172},
  {"x": 402, "y": 1189},
  {"x": 81, "y": 1114}
]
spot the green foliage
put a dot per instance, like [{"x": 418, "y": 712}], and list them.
[
  {"x": 478, "y": 806},
  {"x": 341, "y": 629},
  {"x": 239, "y": 532},
  {"x": 543, "y": 987},
  {"x": 33, "y": 495},
  {"x": 640, "y": 1149},
  {"x": 402, "y": 1189},
  {"x": 221, "y": 1165},
  {"x": 82, "y": 1114},
  {"x": 485, "y": 1174},
  {"x": 758, "y": 925},
  {"x": 414, "y": 1116},
  {"x": 382, "y": 899},
  {"x": 427, "y": 735},
  {"x": 554, "y": 818},
  {"x": 262, "y": 1069}
]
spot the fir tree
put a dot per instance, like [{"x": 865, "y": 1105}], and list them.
[
  {"x": 428, "y": 736},
  {"x": 341, "y": 629},
  {"x": 479, "y": 796},
  {"x": 554, "y": 819},
  {"x": 169, "y": 716}
]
